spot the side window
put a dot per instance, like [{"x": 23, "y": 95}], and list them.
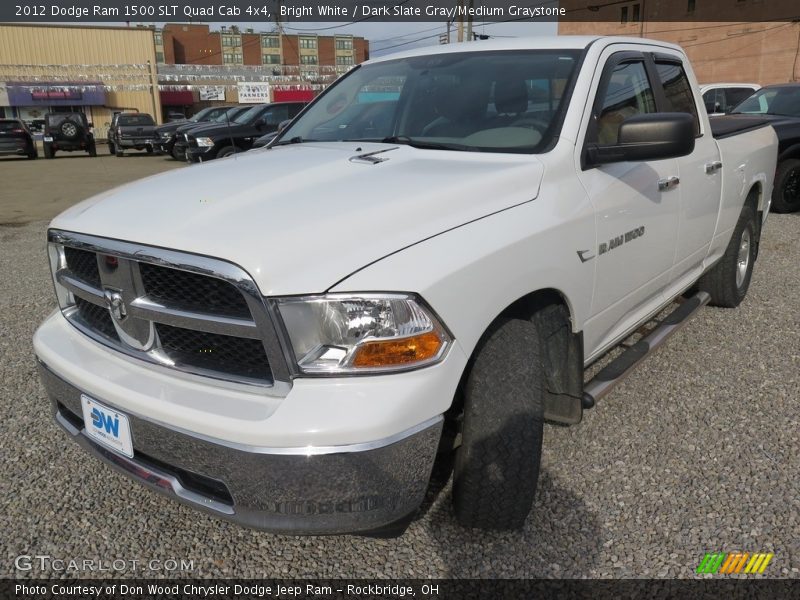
[
  {"x": 276, "y": 114},
  {"x": 735, "y": 96},
  {"x": 627, "y": 94},
  {"x": 677, "y": 91}
]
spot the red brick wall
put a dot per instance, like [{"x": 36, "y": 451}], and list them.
[
  {"x": 193, "y": 44},
  {"x": 251, "y": 48},
  {"x": 291, "y": 52},
  {"x": 361, "y": 49},
  {"x": 327, "y": 51}
]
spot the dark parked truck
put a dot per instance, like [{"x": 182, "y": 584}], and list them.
[
  {"x": 181, "y": 137},
  {"x": 166, "y": 133},
  {"x": 222, "y": 139},
  {"x": 289, "y": 339},
  {"x": 135, "y": 131},
  {"x": 779, "y": 105}
]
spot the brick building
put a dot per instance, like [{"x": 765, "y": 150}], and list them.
[
  {"x": 758, "y": 41},
  {"x": 197, "y": 44}
]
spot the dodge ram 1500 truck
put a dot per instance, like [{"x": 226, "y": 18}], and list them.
[{"x": 425, "y": 260}]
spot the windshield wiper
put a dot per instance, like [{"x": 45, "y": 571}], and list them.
[{"x": 417, "y": 143}]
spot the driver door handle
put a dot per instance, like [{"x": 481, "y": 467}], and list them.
[{"x": 668, "y": 183}]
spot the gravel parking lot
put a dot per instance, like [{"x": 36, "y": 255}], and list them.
[{"x": 698, "y": 451}]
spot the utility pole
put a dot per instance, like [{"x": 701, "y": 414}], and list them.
[
  {"x": 460, "y": 6},
  {"x": 469, "y": 20}
]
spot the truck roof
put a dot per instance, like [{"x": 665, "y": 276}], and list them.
[{"x": 543, "y": 42}]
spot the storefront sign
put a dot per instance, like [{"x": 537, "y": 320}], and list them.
[{"x": 253, "y": 93}]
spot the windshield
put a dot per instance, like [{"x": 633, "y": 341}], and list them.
[
  {"x": 248, "y": 115},
  {"x": 201, "y": 114},
  {"x": 783, "y": 101},
  {"x": 230, "y": 114},
  {"x": 505, "y": 101},
  {"x": 132, "y": 120}
]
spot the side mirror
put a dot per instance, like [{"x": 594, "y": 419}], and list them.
[
  {"x": 260, "y": 123},
  {"x": 282, "y": 125},
  {"x": 654, "y": 136}
]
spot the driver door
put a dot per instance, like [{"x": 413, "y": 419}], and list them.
[{"x": 636, "y": 220}]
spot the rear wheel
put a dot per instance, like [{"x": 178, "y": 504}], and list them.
[
  {"x": 728, "y": 281},
  {"x": 786, "y": 194},
  {"x": 48, "y": 150},
  {"x": 149, "y": 149},
  {"x": 33, "y": 155},
  {"x": 497, "y": 464},
  {"x": 111, "y": 148},
  {"x": 118, "y": 151},
  {"x": 92, "y": 149}
]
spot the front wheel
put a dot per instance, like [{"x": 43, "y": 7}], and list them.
[
  {"x": 226, "y": 151},
  {"x": 497, "y": 464},
  {"x": 728, "y": 281},
  {"x": 786, "y": 194}
]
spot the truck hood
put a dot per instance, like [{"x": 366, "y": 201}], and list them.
[{"x": 301, "y": 218}]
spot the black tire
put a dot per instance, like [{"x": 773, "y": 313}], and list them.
[
  {"x": 786, "y": 193},
  {"x": 118, "y": 152},
  {"x": 92, "y": 150},
  {"x": 177, "y": 155},
  {"x": 226, "y": 151},
  {"x": 33, "y": 155},
  {"x": 497, "y": 464},
  {"x": 70, "y": 129},
  {"x": 727, "y": 281},
  {"x": 149, "y": 149},
  {"x": 111, "y": 149},
  {"x": 48, "y": 151}
]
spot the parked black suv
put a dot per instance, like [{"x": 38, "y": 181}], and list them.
[
  {"x": 181, "y": 133},
  {"x": 132, "y": 131},
  {"x": 68, "y": 131},
  {"x": 16, "y": 138},
  {"x": 218, "y": 140}
]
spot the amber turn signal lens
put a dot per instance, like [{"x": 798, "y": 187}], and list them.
[{"x": 388, "y": 353}]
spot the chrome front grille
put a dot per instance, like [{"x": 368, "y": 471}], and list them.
[{"x": 181, "y": 311}]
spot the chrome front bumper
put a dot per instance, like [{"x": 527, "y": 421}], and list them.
[{"x": 361, "y": 488}]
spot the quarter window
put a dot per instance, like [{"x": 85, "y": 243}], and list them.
[{"x": 627, "y": 94}]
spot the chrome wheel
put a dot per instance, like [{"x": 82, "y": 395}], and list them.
[{"x": 743, "y": 258}]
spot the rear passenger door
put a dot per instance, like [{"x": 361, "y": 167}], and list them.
[
  {"x": 636, "y": 221},
  {"x": 700, "y": 172}
]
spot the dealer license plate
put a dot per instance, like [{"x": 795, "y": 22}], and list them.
[
  {"x": 107, "y": 426},
  {"x": 48, "y": 138}
]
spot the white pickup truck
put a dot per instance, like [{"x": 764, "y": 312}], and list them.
[{"x": 425, "y": 260}]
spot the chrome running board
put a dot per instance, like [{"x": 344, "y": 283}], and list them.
[{"x": 618, "y": 369}]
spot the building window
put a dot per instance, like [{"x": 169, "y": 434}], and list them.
[
  {"x": 344, "y": 60},
  {"x": 308, "y": 43},
  {"x": 159, "y": 57},
  {"x": 270, "y": 41},
  {"x": 158, "y": 39},
  {"x": 271, "y": 59},
  {"x": 308, "y": 59},
  {"x": 344, "y": 44},
  {"x": 623, "y": 18},
  {"x": 231, "y": 40},
  {"x": 232, "y": 58},
  {"x": 635, "y": 17},
  {"x": 690, "y": 6}
]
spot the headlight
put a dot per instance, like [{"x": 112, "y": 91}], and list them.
[
  {"x": 205, "y": 142},
  {"x": 368, "y": 333},
  {"x": 165, "y": 135}
]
